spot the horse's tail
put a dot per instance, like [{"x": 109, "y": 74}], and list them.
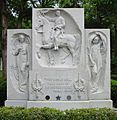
[{"x": 78, "y": 44}]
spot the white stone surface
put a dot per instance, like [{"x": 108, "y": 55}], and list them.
[
  {"x": 16, "y": 103},
  {"x": 59, "y": 75},
  {"x": 64, "y": 105},
  {"x": 58, "y": 64},
  {"x": 100, "y": 104},
  {"x": 57, "y": 84},
  {"x": 98, "y": 61},
  {"x": 70, "y": 41},
  {"x": 18, "y": 63}
]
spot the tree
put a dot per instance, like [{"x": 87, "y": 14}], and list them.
[
  {"x": 102, "y": 14},
  {"x": 12, "y": 12},
  {"x": 4, "y": 22},
  {"x": 69, "y": 3},
  {"x": 21, "y": 11}
]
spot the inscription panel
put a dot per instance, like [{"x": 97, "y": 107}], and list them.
[{"x": 64, "y": 85}]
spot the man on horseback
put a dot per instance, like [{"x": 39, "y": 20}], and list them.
[{"x": 58, "y": 29}]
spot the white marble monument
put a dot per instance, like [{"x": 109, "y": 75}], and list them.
[{"x": 58, "y": 63}]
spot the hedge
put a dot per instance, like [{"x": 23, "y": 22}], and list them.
[
  {"x": 18, "y": 113},
  {"x": 114, "y": 92}
]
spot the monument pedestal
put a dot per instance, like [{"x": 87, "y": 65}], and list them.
[
  {"x": 16, "y": 103},
  {"x": 64, "y": 105},
  {"x": 61, "y": 105}
]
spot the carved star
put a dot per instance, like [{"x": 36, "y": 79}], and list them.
[{"x": 58, "y": 97}]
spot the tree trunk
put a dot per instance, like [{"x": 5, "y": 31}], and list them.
[
  {"x": 4, "y": 36},
  {"x": 115, "y": 45},
  {"x": 19, "y": 23}
]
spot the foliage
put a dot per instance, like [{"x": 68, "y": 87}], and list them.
[
  {"x": 2, "y": 89},
  {"x": 30, "y": 114},
  {"x": 114, "y": 92},
  {"x": 114, "y": 64},
  {"x": 102, "y": 14},
  {"x": 98, "y": 14},
  {"x": 91, "y": 114},
  {"x": 69, "y": 3},
  {"x": 19, "y": 13},
  {"x": 8, "y": 113}
]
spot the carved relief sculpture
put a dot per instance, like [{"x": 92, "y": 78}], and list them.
[
  {"x": 58, "y": 63},
  {"x": 97, "y": 60},
  {"x": 57, "y": 38},
  {"x": 37, "y": 87},
  {"x": 21, "y": 51},
  {"x": 58, "y": 29},
  {"x": 79, "y": 86}
]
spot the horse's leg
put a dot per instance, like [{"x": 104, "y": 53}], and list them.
[
  {"x": 51, "y": 57},
  {"x": 38, "y": 51},
  {"x": 72, "y": 51},
  {"x": 67, "y": 52},
  {"x": 46, "y": 46}
]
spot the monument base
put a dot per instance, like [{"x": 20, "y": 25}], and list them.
[
  {"x": 61, "y": 105},
  {"x": 16, "y": 103}
]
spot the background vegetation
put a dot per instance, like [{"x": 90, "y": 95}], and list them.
[
  {"x": 3, "y": 92},
  {"x": 18, "y": 14}
]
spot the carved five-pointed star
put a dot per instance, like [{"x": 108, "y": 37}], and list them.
[{"x": 58, "y": 97}]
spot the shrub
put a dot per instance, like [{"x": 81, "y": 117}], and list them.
[
  {"x": 18, "y": 113},
  {"x": 9, "y": 113},
  {"x": 114, "y": 92},
  {"x": 91, "y": 114}
]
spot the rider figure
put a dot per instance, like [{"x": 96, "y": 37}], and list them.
[{"x": 59, "y": 26}]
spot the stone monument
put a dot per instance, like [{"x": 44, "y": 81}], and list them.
[{"x": 58, "y": 63}]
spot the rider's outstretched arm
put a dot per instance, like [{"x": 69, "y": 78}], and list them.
[{"x": 49, "y": 19}]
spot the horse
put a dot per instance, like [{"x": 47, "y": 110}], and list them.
[{"x": 70, "y": 41}]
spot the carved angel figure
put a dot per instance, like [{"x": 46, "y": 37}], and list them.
[
  {"x": 96, "y": 59},
  {"x": 22, "y": 54}
]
